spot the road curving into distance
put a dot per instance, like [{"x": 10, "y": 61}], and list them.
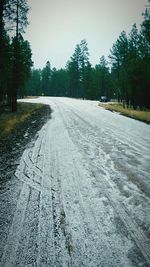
[{"x": 80, "y": 195}]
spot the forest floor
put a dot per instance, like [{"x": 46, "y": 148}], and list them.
[{"x": 141, "y": 115}]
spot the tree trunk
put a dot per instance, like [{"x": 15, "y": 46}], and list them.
[
  {"x": 2, "y": 2},
  {"x": 14, "y": 103},
  {"x": 15, "y": 76}
]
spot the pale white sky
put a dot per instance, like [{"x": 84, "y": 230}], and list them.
[{"x": 56, "y": 26}]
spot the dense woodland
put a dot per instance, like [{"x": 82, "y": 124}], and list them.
[
  {"x": 124, "y": 76},
  {"x": 15, "y": 52}
]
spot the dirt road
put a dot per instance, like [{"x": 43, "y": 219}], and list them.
[{"x": 80, "y": 195}]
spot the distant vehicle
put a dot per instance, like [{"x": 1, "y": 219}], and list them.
[{"x": 104, "y": 99}]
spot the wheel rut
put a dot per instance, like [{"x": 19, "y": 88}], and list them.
[{"x": 70, "y": 211}]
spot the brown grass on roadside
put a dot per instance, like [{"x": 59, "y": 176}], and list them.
[
  {"x": 8, "y": 120},
  {"x": 129, "y": 112}
]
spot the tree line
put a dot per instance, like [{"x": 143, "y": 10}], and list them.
[
  {"x": 130, "y": 59},
  {"x": 125, "y": 76},
  {"x": 79, "y": 79},
  {"x": 15, "y": 52}
]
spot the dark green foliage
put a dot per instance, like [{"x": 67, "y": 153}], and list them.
[
  {"x": 22, "y": 62},
  {"x": 45, "y": 79},
  {"x": 59, "y": 83},
  {"x": 4, "y": 51},
  {"x": 33, "y": 85},
  {"x": 5, "y": 67},
  {"x": 128, "y": 80},
  {"x": 73, "y": 68},
  {"x": 16, "y": 15},
  {"x": 131, "y": 65},
  {"x": 103, "y": 79},
  {"x": 15, "y": 53},
  {"x": 79, "y": 70}
]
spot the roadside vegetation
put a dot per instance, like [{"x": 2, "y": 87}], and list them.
[
  {"x": 142, "y": 115},
  {"x": 10, "y": 121},
  {"x": 17, "y": 131}
]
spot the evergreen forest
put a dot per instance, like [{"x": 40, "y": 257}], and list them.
[{"x": 124, "y": 76}]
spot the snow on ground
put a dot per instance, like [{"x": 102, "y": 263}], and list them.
[{"x": 81, "y": 192}]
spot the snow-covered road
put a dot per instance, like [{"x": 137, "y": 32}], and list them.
[{"x": 81, "y": 192}]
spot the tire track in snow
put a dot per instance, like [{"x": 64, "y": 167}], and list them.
[
  {"x": 62, "y": 237},
  {"x": 85, "y": 244},
  {"x": 136, "y": 233},
  {"x": 30, "y": 175},
  {"x": 126, "y": 136},
  {"x": 10, "y": 250},
  {"x": 62, "y": 215}
]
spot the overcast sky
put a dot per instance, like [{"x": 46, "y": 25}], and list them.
[{"x": 57, "y": 26}]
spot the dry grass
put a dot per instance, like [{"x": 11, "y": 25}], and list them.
[
  {"x": 8, "y": 120},
  {"x": 129, "y": 112}
]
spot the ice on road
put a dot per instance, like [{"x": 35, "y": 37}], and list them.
[{"x": 80, "y": 195}]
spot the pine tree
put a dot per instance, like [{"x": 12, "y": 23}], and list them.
[
  {"x": 17, "y": 14},
  {"x": 84, "y": 62},
  {"x": 3, "y": 44},
  {"x": 119, "y": 59},
  {"x": 73, "y": 68},
  {"x": 45, "y": 79}
]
